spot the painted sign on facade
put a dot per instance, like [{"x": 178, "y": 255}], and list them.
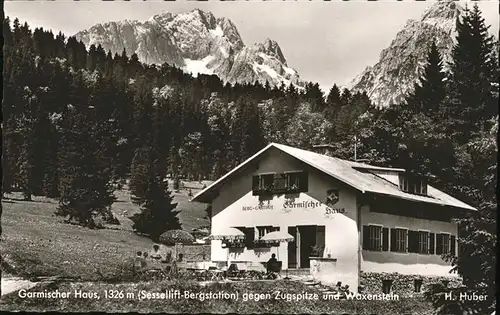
[{"x": 332, "y": 198}]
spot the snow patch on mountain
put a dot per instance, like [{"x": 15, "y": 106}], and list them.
[
  {"x": 196, "y": 67},
  {"x": 217, "y": 32},
  {"x": 197, "y": 42}
]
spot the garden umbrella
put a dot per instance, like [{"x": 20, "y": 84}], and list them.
[
  {"x": 227, "y": 233},
  {"x": 278, "y": 236}
]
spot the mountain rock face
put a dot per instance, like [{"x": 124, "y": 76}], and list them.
[
  {"x": 197, "y": 42},
  {"x": 401, "y": 64}
]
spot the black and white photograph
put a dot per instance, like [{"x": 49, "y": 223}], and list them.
[{"x": 250, "y": 157}]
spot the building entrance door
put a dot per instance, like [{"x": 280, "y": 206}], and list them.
[
  {"x": 306, "y": 237},
  {"x": 292, "y": 248},
  {"x": 307, "y": 242}
]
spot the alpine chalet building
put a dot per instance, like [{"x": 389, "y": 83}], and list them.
[{"x": 372, "y": 228}]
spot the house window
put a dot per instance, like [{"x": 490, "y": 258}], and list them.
[
  {"x": 399, "y": 240},
  {"x": 418, "y": 242},
  {"x": 423, "y": 242},
  {"x": 372, "y": 237},
  {"x": 249, "y": 236},
  {"x": 263, "y": 230},
  {"x": 279, "y": 184},
  {"x": 266, "y": 182},
  {"x": 293, "y": 182},
  {"x": 417, "y": 284},
  {"x": 445, "y": 244},
  {"x": 413, "y": 184},
  {"x": 386, "y": 286}
]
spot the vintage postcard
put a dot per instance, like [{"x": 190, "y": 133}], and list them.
[{"x": 250, "y": 157}]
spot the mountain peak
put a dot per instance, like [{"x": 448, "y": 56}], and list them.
[
  {"x": 272, "y": 48},
  {"x": 400, "y": 65},
  {"x": 446, "y": 9},
  {"x": 197, "y": 42}
]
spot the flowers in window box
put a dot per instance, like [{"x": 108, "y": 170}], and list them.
[
  {"x": 261, "y": 244},
  {"x": 234, "y": 244},
  {"x": 294, "y": 187}
]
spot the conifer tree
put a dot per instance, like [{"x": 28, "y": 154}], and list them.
[
  {"x": 472, "y": 99},
  {"x": 139, "y": 174},
  {"x": 429, "y": 93},
  {"x": 86, "y": 172},
  {"x": 158, "y": 212}
]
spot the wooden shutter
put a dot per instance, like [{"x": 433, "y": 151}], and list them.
[
  {"x": 439, "y": 241},
  {"x": 304, "y": 182},
  {"x": 255, "y": 185},
  {"x": 453, "y": 244},
  {"x": 385, "y": 239},
  {"x": 393, "y": 240},
  {"x": 366, "y": 237},
  {"x": 432, "y": 239},
  {"x": 249, "y": 237},
  {"x": 412, "y": 241}
]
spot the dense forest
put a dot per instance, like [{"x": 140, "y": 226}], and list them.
[{"x": 78, "y": 121}]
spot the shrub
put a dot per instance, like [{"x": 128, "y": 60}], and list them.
[{"x": 173, "y": 237}]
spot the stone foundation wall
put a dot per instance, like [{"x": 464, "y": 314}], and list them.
[
  {"x": 323, "y": 270},
  {"x": 403, "y": 285}
]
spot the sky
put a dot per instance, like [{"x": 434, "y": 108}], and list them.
[{"x": 326, "y": 42}]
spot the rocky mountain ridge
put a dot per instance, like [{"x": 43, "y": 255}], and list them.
[
  {"x": 401, "y": 64},
  {"x": 197, "y": 42}
]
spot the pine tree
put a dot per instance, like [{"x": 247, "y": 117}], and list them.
[
  {"x": 247, "y": 136},
  {"x": 139, "y": 174},
  {"x": 158, "y": 212},
  {"x": 430, "y": 92},
  {"x": 472, "y": 99},
  {"x": 86, "y": 171}
]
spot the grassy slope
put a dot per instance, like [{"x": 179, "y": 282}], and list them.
[{"x": 36, "y": 243}]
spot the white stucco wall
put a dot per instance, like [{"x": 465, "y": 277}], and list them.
[
  {"x": 405, "y": 263},
  {"x": 341, "y": 230}
]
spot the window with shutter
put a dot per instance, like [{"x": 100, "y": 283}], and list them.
[
  {"x": 439, "y": 241},
  {"x": 366, "y": 236},
  {"x": 249, "y": 237},
  {"x": 423, "y": 242},
  {"x": 412, "y": 241},
  {"x": 267, "y": 182},
  {"x": 372, "y": 237},
  {"x": 304, "y": 182},
  {"x": 293, "y": 182},
  {"x": 445, "y": 245},
  {"x": 255, "y": 185},
  {"x": 393, "y": 240},
  {"x": 280, "y": 181},
  {"x": 453, "y": 244},
  {"x": 400, "y": 240},
  {"x": 432, "y": 238},
  {"x": 385, "y": 239}
]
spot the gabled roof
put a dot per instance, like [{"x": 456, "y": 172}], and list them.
[{"x": 354, "y": 174}]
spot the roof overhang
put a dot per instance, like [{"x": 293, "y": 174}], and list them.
[
  {"x": 434, "y": 201},
  {"x": 207, "y": 194}
]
